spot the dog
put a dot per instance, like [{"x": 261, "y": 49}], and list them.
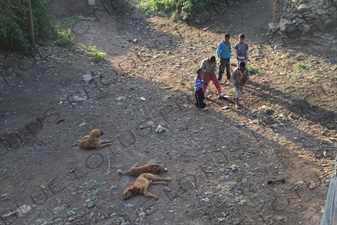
[
  {"x": 92, "y": 141},
  {"x": 141, "y": 185},
  {"x": 136, "y": 170}
]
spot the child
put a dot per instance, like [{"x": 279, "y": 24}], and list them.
[
  {"x": 241, "y": 50},
  {"x": 239, "y": 78},
  {"x": 223, "y": 51},
  {"x": 208, "y": 67},
  {"x": 198, "y": 93}
]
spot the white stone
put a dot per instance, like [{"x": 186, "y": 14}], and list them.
[
  {"x": 24, "y": 209},
  {"x": 306, "y": 27},
  {"x": 91, "y": 2},
  {"x": 284, "y": 23},
  {"x": 321, "y": 11},
  {"x": 273, "y": 27},
  {"x": 120, "y": 98},
  {"x": 303, "y": 8},
  {"x": 87, "y": 78}
]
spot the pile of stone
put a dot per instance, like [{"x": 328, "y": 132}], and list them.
[{"x": 305, "y": 15}]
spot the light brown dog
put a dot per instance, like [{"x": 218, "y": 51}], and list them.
[
  {"x": 142, "y": 183},
  {"x": 136, "y": 169},
  {"x": 92, "y": 141}
]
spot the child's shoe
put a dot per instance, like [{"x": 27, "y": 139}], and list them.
[
  {"x": 238, "y": 106},
  {"x": 222, "y": 95},
  {"x": 204, "y": 109}
]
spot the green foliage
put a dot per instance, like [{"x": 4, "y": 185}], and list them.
[
  {"x": 299, "y": 67},
  {"x": 70, "y": 20},
  {"x": 316, "y": 75},
  {"x": 64, "y": 38},
  {"x": 97, "y": 55},
  {"x": 253, "y": 69},
  {"x": 174, "y": 8},
  {"x": 14, "y": 32}
]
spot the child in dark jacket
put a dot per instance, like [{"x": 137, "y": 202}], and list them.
[
  {"x": 239, "y": 78},
  {"x": 198, "y": 93}
]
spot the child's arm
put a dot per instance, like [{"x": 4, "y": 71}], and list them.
[
  {"x": 213, "y": 68},
  {"x": 235, "y": 52},
  {"x": 203, "y": 66},
  {"x": 233, "y": 76},
  {"x": 247, "y": 76},
  {"x": 247, "y": 50},
  {"x": 198, "y": 84},
  {"x": 230, "y": 49},
  {"x": 218, "y": 50}
]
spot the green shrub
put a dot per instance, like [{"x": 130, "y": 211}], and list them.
[
  {"x": 64, "y": 38},
  {"x": 299, "y": 67},
  {"x": 253, "y": 69},
  {"x": 97, "y": 55},
  {"x": 174, "y": 8},
  {"x": 14, "y": 32}
]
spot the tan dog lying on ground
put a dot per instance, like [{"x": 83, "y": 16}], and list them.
[
  {"x": 93, "y": 141},
  {"x": 136, "y": 169},
  {"x": 142, "y": 183}
]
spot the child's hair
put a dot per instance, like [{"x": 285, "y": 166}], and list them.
[
  {"x": 212, "y": 59},
  {"x": 227, "y": 35},
  {"x": 242, "y": 64},
  {"x": 241, "y": 36},
  {"x": 199, "y": 71}
]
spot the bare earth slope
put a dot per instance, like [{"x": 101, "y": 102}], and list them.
[{"x": 219, "y": 161}]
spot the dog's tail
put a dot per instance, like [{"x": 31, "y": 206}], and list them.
[{"x": 120, "y": 172}]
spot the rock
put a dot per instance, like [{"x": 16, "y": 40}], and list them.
[
  {"x": 284, "y": 23},
  {"x": 120, "y": 98},
  {"x": 87, "y": 78},
  {"x": 233, "y": 167},
  {"x": 161, "y": 129},
  {"x": 273, "y": 27},
  {"x": 90, "y": 204},
  {"x": 82, "y": 124},
  {"x": 91, "y": 2},
  {"x": 303, "y": 8},
  {"x": 24, "y": 209}
]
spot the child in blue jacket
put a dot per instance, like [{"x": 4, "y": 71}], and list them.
[
  {"x": 198, "y": 93},
  {"x": 223, "y": 51}
]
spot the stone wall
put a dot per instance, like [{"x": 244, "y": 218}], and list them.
[{"x": 308, "y": 15}]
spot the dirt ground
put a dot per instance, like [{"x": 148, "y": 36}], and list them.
[{"x": 219, "y": 160}]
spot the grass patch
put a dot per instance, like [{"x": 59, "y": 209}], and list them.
[
  {"x": 294, "y": 78},
  {"x": 253, "y": 69},
  {"x": 65, "y": 38},
  {"x": 62, "y": 52},
  {"x": 316, "y": 76},
  {"x": 97, "y": 55},
  {"x": 70, "y": 20},
  {"x": 91, "y": 184},
  {"x": 93, "y": 194},
  {"x": 299, "y": 67}
]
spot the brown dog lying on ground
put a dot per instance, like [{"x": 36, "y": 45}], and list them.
[
  {"x": 136, "y": 169},
  {"x": 93, "y": 141},
  {"x": 142, "y": 183}
]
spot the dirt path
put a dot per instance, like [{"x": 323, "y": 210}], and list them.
[{"x": 219, "y": 161}]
